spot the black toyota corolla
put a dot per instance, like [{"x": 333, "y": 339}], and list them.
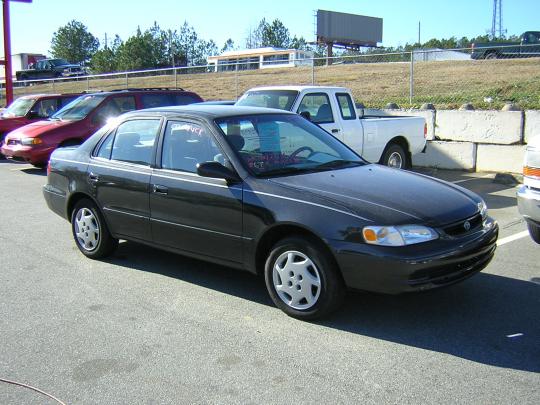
[{"x": 271, "y": 193}]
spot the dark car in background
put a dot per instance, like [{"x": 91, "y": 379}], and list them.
[
  {"x": 49, "y": 69},
  {"x": 271, "y": 193},
  {"x": 82, "y": 117},
  {"x": 527, "y": 47},
  {"x": 27, "y": 109}
]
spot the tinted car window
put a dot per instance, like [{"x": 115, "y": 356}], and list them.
[
  {"x": 282, "y": 99},
  {"x": 45, "y": 108},
  {"x": 105, "y": 148},
  {"x": 134, "y": 141},
  {"x": 318, "y": 106},
  {"x": 156, "y": 100},
  {"x": 114, "y": 107},
  {"x": 185, "y": 145}
]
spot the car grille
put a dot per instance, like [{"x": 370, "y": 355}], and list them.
[{"x": 460, "y": 228}]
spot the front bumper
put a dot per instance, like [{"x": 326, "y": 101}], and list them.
[
  {"x": 529, "y": 203},
  {"x": 31, "y": 154},
  {"x": 418, "y": 267}
]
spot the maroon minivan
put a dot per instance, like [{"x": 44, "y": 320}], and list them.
[{"x": 82, "y": 117}]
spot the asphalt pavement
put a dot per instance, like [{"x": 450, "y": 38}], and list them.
[{"x": 150, "y": 327}]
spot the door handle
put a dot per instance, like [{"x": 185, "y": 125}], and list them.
[
  {"x": 94, "y": 178},
  {"x": 335, "y": 130},
  {"x": 157, "y": 189}
]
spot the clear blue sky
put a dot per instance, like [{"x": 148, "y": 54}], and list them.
[{"x": 34, "y": 24}]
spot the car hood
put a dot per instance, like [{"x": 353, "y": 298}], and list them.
[
  {"x": 38, "y": 128},
  {"x": 387, "y": 196}
]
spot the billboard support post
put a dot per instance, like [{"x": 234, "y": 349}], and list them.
[
  {"x": 7, "y": 53},
  {"x": 411, "y": 84}
]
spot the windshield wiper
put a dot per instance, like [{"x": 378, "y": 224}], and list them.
[
  {"x": 284, "y": 170},
  {"x": 338, "y": 163}
]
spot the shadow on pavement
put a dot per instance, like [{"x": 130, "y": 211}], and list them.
[{"x": 472, "y": 320}]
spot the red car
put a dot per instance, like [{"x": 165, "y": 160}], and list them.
[
  {"x": 27, "y": 109},
  {"x": 70, "y": 126}
]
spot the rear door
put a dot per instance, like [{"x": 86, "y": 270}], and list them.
[
  {"x": 195, "y": 214},
  {"x": 119, "y": 174}
]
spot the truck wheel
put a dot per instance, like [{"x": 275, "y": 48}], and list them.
[
  {"x": 492, "y": 55},
  {"x": 302, "y": 279},
  {"x": 534, "y": 231},
  {"x": 396, "y": 157}
]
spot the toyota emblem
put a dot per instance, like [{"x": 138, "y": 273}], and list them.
[{"x": 467, "y": 225}]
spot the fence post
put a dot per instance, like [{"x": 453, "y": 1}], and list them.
[
  {"x": 53, "y": 90},
  {"x": 127, "y": 84},
  {"x": 313, "y": 71},
  {"x": 411, "y": 84},
  {"x": 236, "y": 79},
  {"x": 175, "y": 78},
  {"x": 87, "y": 83}
]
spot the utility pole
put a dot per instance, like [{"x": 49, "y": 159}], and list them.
[{"x": 419, "y": 43}]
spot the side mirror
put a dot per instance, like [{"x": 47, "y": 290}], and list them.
[
  {"x": 218, "y": 171},
  {"x": 306, "y": 115}
]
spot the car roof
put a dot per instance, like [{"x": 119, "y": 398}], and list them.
[
  {"x": 33, "y": 96},
  {"x": 298, "y": 88},
  {"x": 208, "y": 111},
  {"x": 136, "y": 90}
]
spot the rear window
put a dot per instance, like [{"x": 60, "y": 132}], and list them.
[{"x": 166, "y": 99}]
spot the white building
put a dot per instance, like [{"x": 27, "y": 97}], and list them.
[
  {"x": 260, "y": 58},
  {"x": 436, "y": 54}
]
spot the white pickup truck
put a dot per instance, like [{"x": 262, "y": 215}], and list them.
[{"x": 389, "y": 140}]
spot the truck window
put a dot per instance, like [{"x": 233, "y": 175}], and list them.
[
  {"x": 346, "y": 106},
  {"x": 531, "y": 38},
  {"x": 318, "y": 106}
]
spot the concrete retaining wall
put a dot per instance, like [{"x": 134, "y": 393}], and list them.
[
  {"x": 500, "y": 158},
  {"x": 532, "y": 124},
  {"x": 447, "y": 155},
  {"x": 428, "y": 115},
  {"x": 492, "y": 127}
]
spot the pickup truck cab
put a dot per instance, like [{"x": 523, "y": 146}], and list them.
[
  {"x": 49, "y": 69},
  {"x": 527, "y": 47},
  {"x": 389, "y": 140}
]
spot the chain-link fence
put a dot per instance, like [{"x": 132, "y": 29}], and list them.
[{"x": 485, "y": 77}]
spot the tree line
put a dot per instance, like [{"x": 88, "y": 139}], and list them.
[{"x": 157, "y": 48}]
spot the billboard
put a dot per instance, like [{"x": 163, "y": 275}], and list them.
[{"x": 348, "y": 29}]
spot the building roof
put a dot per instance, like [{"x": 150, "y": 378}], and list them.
[{"x": 255, "y": 52}]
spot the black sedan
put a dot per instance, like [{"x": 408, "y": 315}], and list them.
[{"x": 273, "y": 194}]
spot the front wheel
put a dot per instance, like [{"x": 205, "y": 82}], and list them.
[
  {"x": 534, "y": 231},
  {"x": 396, "y": 157},
  {"x": 302, "y": 279},
  {"x": 90, "y": 231}
]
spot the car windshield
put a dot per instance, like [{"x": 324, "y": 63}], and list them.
[
  {"x": 281, "y": 144},
  {"x": 281, "y": 99},
  {"x": 19, "y": 108},
  {"x": 59, "y": 62},
  {"x": 78, "y": 108}
]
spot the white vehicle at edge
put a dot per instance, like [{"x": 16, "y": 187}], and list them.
[
  {"x": 389, "y": 140},
  {"x": 528, "y": 195}
]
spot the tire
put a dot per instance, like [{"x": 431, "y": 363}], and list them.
[
  {"x": 90, "y": 232},
  {"x": 534, "y": 231},
  {"x": 309, "y": 289},
  {"x": 492, "y": 55},
  {"x": 396, "y": 157}
]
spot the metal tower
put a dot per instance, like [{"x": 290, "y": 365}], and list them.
[{"x": 497, "y": 30}]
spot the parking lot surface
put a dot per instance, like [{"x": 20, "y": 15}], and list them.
[{"x": 152, "y": 327}]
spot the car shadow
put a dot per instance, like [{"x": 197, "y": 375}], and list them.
[{"x": 488, "y": 319}]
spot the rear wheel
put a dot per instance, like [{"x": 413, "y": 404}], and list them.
[
  {"x": 396, "y": 157},
  {"x": 90, "y": 231},
  {"x": 302, "y": 279},
  {"x": 534, "y": 231},
  {"x": 492, "y": 55}
]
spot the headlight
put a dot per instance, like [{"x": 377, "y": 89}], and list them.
[
  {"x": 398, "y": 235},
  {"x": 482, "y": 207},
  {"x": 31, "y": 141}
]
